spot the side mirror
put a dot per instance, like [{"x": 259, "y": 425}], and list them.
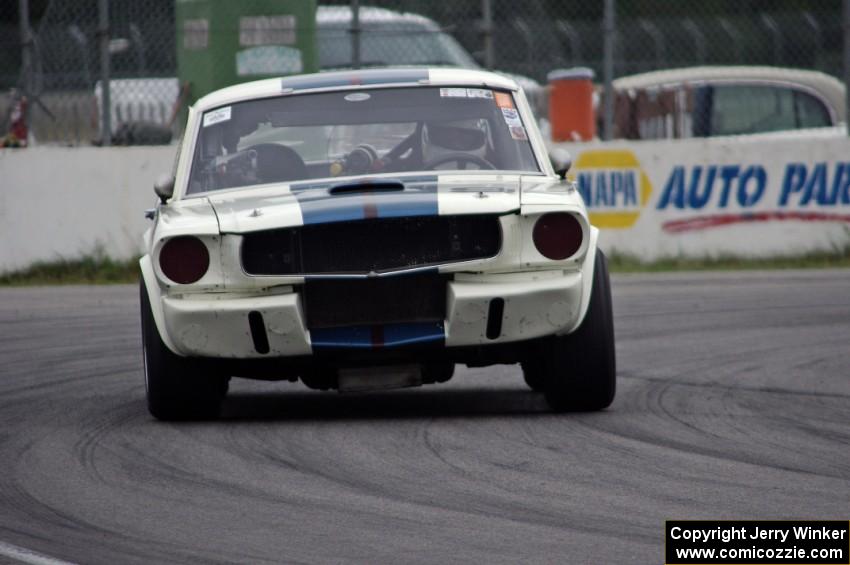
[
  {"x": 561, "y": 161},
  {"x": 164, "y": 188}
]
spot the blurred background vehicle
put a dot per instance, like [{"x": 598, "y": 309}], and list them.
[
  {"x": 58, "y": 51},
  {"x": 387, "y": 38},
  {"x": 730, "y": 100},
  {"x": 394, "y": 38}
]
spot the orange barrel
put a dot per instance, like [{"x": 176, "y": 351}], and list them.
[{"x": 571, "y": 104}]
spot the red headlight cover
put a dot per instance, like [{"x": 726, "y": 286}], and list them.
[
  {"x": 184, "y": 259},
  {"x": 557, "y": 235}
]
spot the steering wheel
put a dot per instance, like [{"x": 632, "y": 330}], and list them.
[{"x": 458, "y": 158}]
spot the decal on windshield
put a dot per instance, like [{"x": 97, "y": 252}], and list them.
[
  {"x": 479, "y": 93},
  {"x": 511, "y": 117},
  {"x": 216, "y": 116},
  {"x": 453, "y": 92},
  {"x": 504, "y": 100},
  {"x": 518, "y": 133},
  {"x": 514, "y": 124}
]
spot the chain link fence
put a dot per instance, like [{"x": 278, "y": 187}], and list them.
[
  {"x": 55, "y": 59},
  {"x": 57, "y": 53}
]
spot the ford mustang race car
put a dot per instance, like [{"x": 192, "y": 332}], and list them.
[{"x": 370, "y": 229}]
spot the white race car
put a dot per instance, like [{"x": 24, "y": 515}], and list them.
[{"x": 370, "y": 229}]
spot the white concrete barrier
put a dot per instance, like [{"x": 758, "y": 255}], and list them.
[
  {"x": 63, "y": 202},
  {"x": 752, "y": 196}
]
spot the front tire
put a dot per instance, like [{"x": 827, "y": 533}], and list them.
[
  {"x": 534, "y": 374},
  {"x": 177, "y": 388},
  {"x": 580, "y": 369}
]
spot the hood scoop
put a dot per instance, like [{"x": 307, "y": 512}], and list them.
[
  {"x": 343, "y": 200},
  {"x": 366, "y": 186}
]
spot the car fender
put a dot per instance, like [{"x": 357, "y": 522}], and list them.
[
  {"x": 587, "y": 271},
  {"x": 155, "y": 300}
]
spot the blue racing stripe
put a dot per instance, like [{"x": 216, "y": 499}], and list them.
[
  {"x": 375, "y": 337},
  {"x": 319, "y": 206},
  {"x": 413, "y": 333},
  {"x": 323, "y": 211}
]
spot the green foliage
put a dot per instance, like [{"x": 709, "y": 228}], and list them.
[
  {"x": 93, "y": 268},
  {"x": 624, "y": 263},
  {"x": 837, "y": 257}
]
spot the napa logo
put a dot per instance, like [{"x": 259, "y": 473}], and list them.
[{"x": 614, "y": 187}]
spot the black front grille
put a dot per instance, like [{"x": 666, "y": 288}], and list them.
[
  {"x": 332, "y": 303},
  {"x": 374, "y": 245}
]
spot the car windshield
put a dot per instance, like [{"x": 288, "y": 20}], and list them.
[{"x": 357, "y": 132}]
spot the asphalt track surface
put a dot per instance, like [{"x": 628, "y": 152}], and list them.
[{"x": 733, "y": 402}]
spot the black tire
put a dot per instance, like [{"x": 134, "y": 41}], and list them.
[
  {"x": 534, "y": 374},
  {"x": 177, "y": 388},
  {"x": 581, "y": 368}
]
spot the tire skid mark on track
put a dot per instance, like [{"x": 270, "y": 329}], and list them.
[
  {"x": 376, "y": 490},
  {"x": 736, "y": 388},
  {"x": 729, "y": 447},
  {"x": 732, "y": 403},
  {"x": 94, "y": 431},
  {"x": 24, "y": 555},
  {"x": 69, "y": 525}
]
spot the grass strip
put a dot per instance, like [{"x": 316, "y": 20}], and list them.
[
  {"x": 624, "y": 263},
  {"x": 87, "y": 269}
]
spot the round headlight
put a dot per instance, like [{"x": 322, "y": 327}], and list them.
[
  {"x": 184, "y": 259},
  {"x": 557, "y": 235}
]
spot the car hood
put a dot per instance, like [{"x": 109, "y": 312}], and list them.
[{"x": 339, "y": 200}]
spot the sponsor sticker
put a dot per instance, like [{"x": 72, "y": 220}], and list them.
[
  {"x": 479, "y": 93},
  {"x": 503, "y": 100},
  {"x": 518, "y": 133},
  {"x": 511, "y": 117},
  {"x": 215, "y": 116},
  {"x": 453, "y": 92}
]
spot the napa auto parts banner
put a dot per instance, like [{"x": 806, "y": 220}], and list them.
[{"x": 753, "y": 196}]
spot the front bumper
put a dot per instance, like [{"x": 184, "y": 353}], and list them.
[{"x": 535, "y": 304}]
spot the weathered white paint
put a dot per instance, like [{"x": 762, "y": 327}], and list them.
[
  {"x": 64, "y": 202},
  {"x": 758, "y": 221}
]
